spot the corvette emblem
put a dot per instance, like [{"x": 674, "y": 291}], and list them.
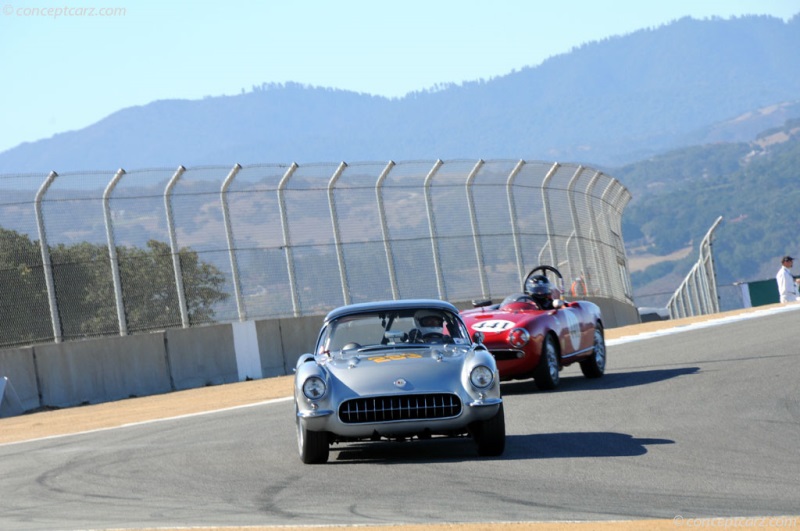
[{"x": 400, "y": 382}]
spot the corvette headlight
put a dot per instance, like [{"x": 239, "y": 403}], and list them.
[
  {"x": 314, "y": 388},
  {"x": 481, "y": 377},
  {"x": 518, "y": 337}
]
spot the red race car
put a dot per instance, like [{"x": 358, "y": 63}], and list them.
[{"x": 535, "y": 334}]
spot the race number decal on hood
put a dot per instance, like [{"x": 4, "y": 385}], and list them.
[
  {"x": 395, "y": 357},
  {"x": 493, "y": 326}
]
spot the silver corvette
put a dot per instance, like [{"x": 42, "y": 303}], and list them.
[{"x": 396, "y": 370}]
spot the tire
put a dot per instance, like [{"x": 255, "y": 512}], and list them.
[
  {"x": 313, "y": 445},
  {"x": 490, "y": 435},
  {"x": 546, "y": 374},
  {"x": 595, "y": 366}
]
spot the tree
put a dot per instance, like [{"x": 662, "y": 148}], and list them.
[
  {"x": 24, "y": 312},
  {"x": 85, "y": 289},
  {"x": 148, "y": 279}
]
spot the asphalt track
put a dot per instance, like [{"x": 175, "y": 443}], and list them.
[{"x": 690, "y": 427}]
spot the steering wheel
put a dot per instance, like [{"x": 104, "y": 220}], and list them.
[
  {"x": 431, "y": 337},
  {"x": 542, "y": 270}
]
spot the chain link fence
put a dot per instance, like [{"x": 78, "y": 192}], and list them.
[{"x": 115, "y": 253}]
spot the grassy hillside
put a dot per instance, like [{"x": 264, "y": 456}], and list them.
[{"x": 677, "y": 197}]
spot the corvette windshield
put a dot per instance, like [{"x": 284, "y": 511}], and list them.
[{"x": 398, "y": 328}]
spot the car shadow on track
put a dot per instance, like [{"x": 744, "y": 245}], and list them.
[
  {"x": 615, "y": 380},
  {"x": 394, "y": 453},
  {"x": 567, "y": 445},
  {"x": 577, "y": 444}
]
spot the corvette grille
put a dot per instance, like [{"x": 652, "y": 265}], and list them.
[{"x": 395, "y": 408}]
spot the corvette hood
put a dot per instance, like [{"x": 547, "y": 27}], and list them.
[{"x": 393, "y": 370}]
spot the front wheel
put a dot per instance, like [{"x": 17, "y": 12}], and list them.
[
  {"x": 490, "y": 434},
  {"x": 595, "y": 366},
  {"x": 313, "y": 445},
  {"x": 546, "y": 375}
]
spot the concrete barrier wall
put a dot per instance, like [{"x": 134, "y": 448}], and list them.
[
  {"x": 113, "y": 368},
  {"x": 615, "y": 313},
  {"x": 270, "y": 348},
  {"x": 17, "y": 364},
  {"x": 201, "y": 356},
  {"x": 298, "y": 336},
  {"x": 101, "y": 370}
]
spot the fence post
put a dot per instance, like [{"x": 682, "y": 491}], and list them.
[
  {"x": 622, "y": 201},
  {"x": 432, "y": 227},
  {"x": 173, "y": 244},
  {"x": 611, "y": 194},
  {"x": 594, "y": 234},
  {"x": 47, "y": 265},
  {"x": 548, "y": 219},
  {"x": 337, "y": 239},
  {"x": 576, "y": 225},
  {"x": 476, "y": 238},
  {"x": 112, "y": 253},
  {"x": 710, "y": 271},
  {"x": 694, "y": 293},
  {"x": 385, "y": 229},
  {"x": 226, "y": 219},
  {"x": 512, "y": 210},
  {"x": 287, "y": 241}
]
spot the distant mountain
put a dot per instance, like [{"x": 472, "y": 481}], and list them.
[{"x": 606, "y": 103}]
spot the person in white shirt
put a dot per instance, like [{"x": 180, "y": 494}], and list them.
[{"x": 787, "y": 289}]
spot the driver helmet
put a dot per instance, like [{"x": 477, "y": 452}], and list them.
[
  {"x": 540, "y": 289},
  {"x": 428, "y": 322}
]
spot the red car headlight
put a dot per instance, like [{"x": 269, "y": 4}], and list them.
[{"x": 518, "y": 337}]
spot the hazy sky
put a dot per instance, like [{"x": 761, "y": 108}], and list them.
[{"x": 67, "y": 64}]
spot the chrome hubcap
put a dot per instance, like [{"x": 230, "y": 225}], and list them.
[{"x": 552, "y": 362}]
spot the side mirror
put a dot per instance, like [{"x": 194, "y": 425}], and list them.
[
  {"x": 478, "y": 337},
  {"x": 480, "y": 303},
  {"x": 558, "y": 304}
]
